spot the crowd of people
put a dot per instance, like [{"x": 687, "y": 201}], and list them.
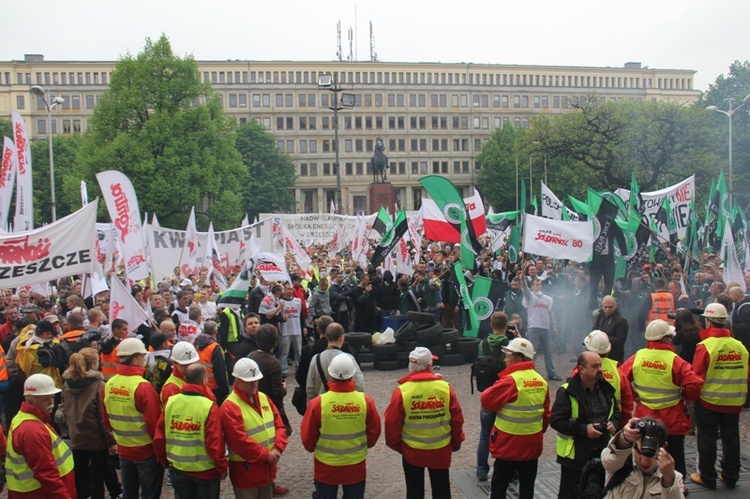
[{"x": 199, "y": 389}]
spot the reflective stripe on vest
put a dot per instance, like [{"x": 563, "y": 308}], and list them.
[
  {"x": 662, "y": 303},
  {"x": 127, "y": 422},
  {"x": 259, "y": 427},
  {"x": 427, "y": 424},
  {"x": 19, "y": 475},
  {"x": 185, "y": 419},
  {"x": 204, "y": 357},
  {"x": 343, "y": 429},
  {"x": 524, "y": 416},
  {"x": 232, "y": 335},
  {"x": 652, "y": 378},
  {"x": 565, "y": 443},
  {"x": 612, "y": 375},
  {"x": 108, "y": 363},
  {"x": 726, "y": 376}
]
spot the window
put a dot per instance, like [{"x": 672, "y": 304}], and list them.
[
  {"x": 358, "y": 145},
  {"x": 537, "y": 102},
  {"x": 368, "y": 100},
  {"x": 290, "y": 146},
  {"x": 545, "y": 102},
  {"x": 289, "y": 100},
  {"x": 279, "y": 123},
  {"x": 303, "y": 123},
  {"x": 41, "y": 127},
  {"x": 303, "y": 146},
  {"x": 20, "y": 102},
  {"x": 326, "y": 145},
  {"x": 267, "y": 123},
  {"x": 525, "y": 101},
  {"x": 379, "y": 122},
  {"x": 516, "y": 101},
  {"x": 360, "y": 168},
  {"x": 325, "y": 123},
  {"x": 485, "y": 122},
  {"x": 89, "y": 102},
  {"x": 66, "y": 126},
  {"x": 302, "y": 100},
  {"x": 290, "y": 123},
  {"x": 232, "y": 100},
  {"x": 313, "y": 169},
  {"x": 378, "y": 100},
  {"x": 391, "y": 100},
  {"x": 243, "y": 100},
  {"x": 417, "y": 192},
  {"x": 266, "y": 100},
  {"x": 256, "y": 100},
  {"x": 279, "y": 100},
  {"x": 313, "y": 146},
  {"x": 303, "y": 170},
  {"x": 348, "y": 145}
]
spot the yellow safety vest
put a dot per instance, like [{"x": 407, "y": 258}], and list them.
[
  {"x": 565, "y": 444},
  {"x": 612, "y": 376},
  {"x": 524, "y": 416},
  {"x": 343, "y": 429},
  {"x": 726, "y": 376},
  {"x": 127, "y": 422},
  {"x": 185, "y": 429},
  {"x": 232, "y": 335},
  {"x": 19, "y": 475},
  {"x": 174, "y": 380},
  {"x": 427, "y": 424},
  {"x": 259, "y": 427},
  {"x": 652, "y": 378}
]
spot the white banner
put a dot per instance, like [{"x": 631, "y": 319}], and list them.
[
  {"x": 296, "y": 249},
  {"x": 679, "y": 194},
  {"x": 24, "y": 219},
  {"x": 212, "y": 260},
  {"x": 189, "y": 255},
  {"x": 122, "y": 204},
  {"x": 60, "y": 249},
  {"x": 557, "y": 239},
  {"x": 272, "y": 267},
  {"x": 123, "y": 306},
  {"x": 311, "y": 228},
  {"x": 8, "y": 170}
]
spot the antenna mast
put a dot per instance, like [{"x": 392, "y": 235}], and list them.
[
  {"x": 338, "y": 41},
  {"x": 373, "y": 54}
]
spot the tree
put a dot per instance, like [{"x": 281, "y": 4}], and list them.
[
  {"x": 497, "y": 175},
  {"x": 165, "y": 130},
  {"x": 6, "y": 128},
  {"x": 65, "y": 151},
  {"x": 271, "y": 176}
]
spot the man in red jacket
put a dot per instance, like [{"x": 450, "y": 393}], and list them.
[
  {"x": 338, "y": 427},
  {"x": 254, "y": 432},
  {"x": 521, "y": 400},
  {"x": 661, "y": 380},
  {"x": 423, "y": 401},
  {"x": 39, "y": 464},
  {"x": 722, "y": 362}
]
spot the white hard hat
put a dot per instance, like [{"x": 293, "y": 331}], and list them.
[
  {"x": 40, "y": 384},
  {"x": 342, "y": 367},
  {"x": 715, "y": 312},
  {"x": 598, "y": 342},
  {"x": 658, "y": 329},
  {"x": 247, "y": 370},
  {"x": 522, "y": 346},
  {"x": 184, "y": 353},
  {"x": 130, "y": 346}
]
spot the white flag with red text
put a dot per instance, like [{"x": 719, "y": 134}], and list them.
[
  {"x": 24, "y": 219},
  {"x": 562, "y": 240},
  {"x": 123, "y": 306},
  {"x": 8, "y": 170},
  {"x": 337, "y": 244},
  {"x": 212, "y": 260},
  {"x": 403, "y": 262},
  {"x": 297, "y": 250},
  {"x": 360, "y": 244},
  {"x": 190, "y": 248}
]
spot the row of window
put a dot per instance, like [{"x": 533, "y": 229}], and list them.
[
  {"x": 59, "y": 78},
  {"x": 394, "y": 145},
  {"x": 68, "y": 126},
  {"x": 70, "y": 101},
  {"x": 395, "y": 168}
]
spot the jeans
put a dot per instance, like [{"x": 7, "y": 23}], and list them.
[
  {"x": 540, "y": 338},
  {"x": 439, "y": 481},
  {"x": 147, "y": 475},
  {"x": 286, "y": 342},
  {"x": 353, "y": 491},
  {"x": 569, "y": 479},
  {"x": 709, "y": 424},
  {"x": 503, "y": 475},
  {"x": 189, "y": 487},
  {"x": 487, "y": 421}
]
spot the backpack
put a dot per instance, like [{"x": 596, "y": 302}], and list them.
[
  {"x": 485, "y": 369},
  {"x": 592, "y": 486}
]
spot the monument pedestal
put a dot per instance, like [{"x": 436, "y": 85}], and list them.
[{"x": 382, "y": 195}]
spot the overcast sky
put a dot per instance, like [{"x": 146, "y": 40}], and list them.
[{"x": 706, "y": 36}]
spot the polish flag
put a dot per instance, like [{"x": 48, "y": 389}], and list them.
[{"x": 437, "y": 228}]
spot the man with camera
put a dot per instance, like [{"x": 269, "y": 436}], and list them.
[{"x": 638, "y": 460}]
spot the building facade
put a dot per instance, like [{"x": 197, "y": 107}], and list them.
[{"x": 432, "y": 117}]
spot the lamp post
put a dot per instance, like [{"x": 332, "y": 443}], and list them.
[
  {"x": 39, "y": 92},
  {"x": 331, "y": 83},
  {"x": 729, "y": 113}
]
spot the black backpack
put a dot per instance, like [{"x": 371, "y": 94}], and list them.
[
  {"x": 487, "y": 366},
  {"x": 592, "y": 486}
]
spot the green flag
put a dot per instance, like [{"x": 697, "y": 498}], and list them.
[
  {"x": 725, "y": 207},
  {"x": 390, "y": 239},
  {"x": 579, "y": 206},
  {"x": 471, "y": 328},
  {"x": 383, "y": 222},
  {"x": 514, "y": 244},
  {"x": 487, "y": 296},
  {"x": 635, "y": 202}
]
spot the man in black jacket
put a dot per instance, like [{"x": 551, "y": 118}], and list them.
[
  {"x": 611, "y": 321},
  {"x": 585, "y": 415},
  {"x": 340, "y": 294}
]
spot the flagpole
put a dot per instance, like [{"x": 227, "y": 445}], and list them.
[
  {"x": 516, "y": 182},
  {"x": 531, "y": 181}
]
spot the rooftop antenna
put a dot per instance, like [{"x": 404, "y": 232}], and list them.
[
  {"x": 373, "y": 54},
  {"x": 356, "y": 41},
  {"x": 351, "y": 45},
  {"x": 338, "y": 41}
]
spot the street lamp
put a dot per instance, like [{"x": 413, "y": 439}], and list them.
[
  {"x": 39, "y": 92},
  {"x": 330, "y": 82},
  {"x": 729, "y": 113}
]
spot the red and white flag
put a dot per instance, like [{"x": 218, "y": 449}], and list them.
[
  {"x": 123, "y": 306},
  {"x": 403, "y": 262},
  {"x": 212, "y": 260},
  {"x": 122, "y": 204},
  {"x": 297, "y": 250},
  {"x": 8, "y": 170},
  {"x": 190, "y": 248},
  {"x": 437, "y": 228},
  {"x": 24, "y": 219},
  {"x": 360, "y": 244},
  {"x": 415, "y": 224},
  {"x": 337, "y": 243}
]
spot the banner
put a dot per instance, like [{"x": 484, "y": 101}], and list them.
[
  {"x": 680, "y": 195},
  {"x": 8, "y": 169},
  {"x": 60, "y": 249},
  {"x": 312, "y": 228},
  {"x": 123, "y": 306},
  {"x": 24, "y": 219},
  {"x": 122, "y": 204},
  {"x": 272, "y": 267},
  {"x": 437, "y": 227},
  {"x": 553, "y": 208},
  {"x": 561, "y": 240}
]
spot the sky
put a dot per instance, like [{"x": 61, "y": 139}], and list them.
[{"x": 706, "y": 36}]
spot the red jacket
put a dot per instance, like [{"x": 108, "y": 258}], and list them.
[
  {"x": 626, "y": 396},
  {"x": 299, "y": 292},
  {"x": 214, "y": 437},
  {"x": 171, "y": 389},
  {"x": 255, "y": 471},
  {"x": 675, "y": 417},
  {"x": 504, "y": 445},
  {"x": 31, "y": 440},
  {"x": 394, "y": 421},
  {"x": 5, "y": 329},
  {"x": 147, "y": 403},
  {"x": 310, "y": 431},
  {"x": 702, "y": 359}
]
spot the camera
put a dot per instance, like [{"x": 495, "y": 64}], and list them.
[
  {"x": 653, "y": 436},
  {"x": 600, "y": 427},
  {"x": 671, "y": 315}
]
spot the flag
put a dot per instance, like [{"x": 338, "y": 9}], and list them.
[
  {"x": 84, "y": 193},
  {"x": 382, "y": 222},
  {"x": 8, "y": 170},
  {"x": 725, "y": 207},
  {"x": 212, "y": 260},
  {"x": 360, "y": 245},
  {"x": 337, "y": 243},
  {"x": 416, "y": 238},
  {"x": 333, "y": 207},
  {"x": 523, "y": 196},
  {"x": 189, "y": 255},
  {"x": 635, "y": 200},
  {"x": 235, "y": 295},
  {"x": 245, "y": 221},
  {"x": 155, "y": 222},
  {"x": 552, "y": 207},
  {"x": 272, "y": 267},
  {"x": 732, "y": 270},
  {"x": 438, "y": 228},
  {"x": 471, "y": 328},
  {"x": 712, "y": 217},
  {"x": 497, "y": 227},
  {"x": 403, "y": 262},
  {"x": 390, "y": 239},
  {"x": 562, "y": 240},
  {"x": 739, "y": 233},
  {"x": 487, "y": 296},
  {"x": 692, "y": 243},
  {"x": 514, "y": 244},
  {"x": 297, "y": 250},
  {"x": 24, "y": 219},
  {"x": 123, "y": 306}
]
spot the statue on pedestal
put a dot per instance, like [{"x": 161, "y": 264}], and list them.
[{"x": 379, "y": 162}]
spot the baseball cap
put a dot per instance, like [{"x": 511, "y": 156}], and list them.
[{"x": 422, "y": 356}]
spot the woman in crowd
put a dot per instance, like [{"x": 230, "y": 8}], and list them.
[{"x": 687, "y": 330}]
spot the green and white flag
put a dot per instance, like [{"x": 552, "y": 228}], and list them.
[
  {"x": 390, "y": 239},
  {"x": 471, "y": 328},
  {"x": 382, "y": 222}
]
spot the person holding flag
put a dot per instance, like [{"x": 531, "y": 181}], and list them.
[{"x": 542, "y": 321}]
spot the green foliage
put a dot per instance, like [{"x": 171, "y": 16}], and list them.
[
  {"x": 6, "y": 128},
  {"x": 65, "y": 151},
  {"x": 270, "y": 183},
  {"x": 498, "y": 160},
  {"x": 151, "y": 124}
]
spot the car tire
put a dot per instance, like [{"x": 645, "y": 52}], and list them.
[
  {"x": 387, "y": 365},
  {"x": 452, "y": 359},
  {"x": 358, "y": 339},
  {"x": 425, "y": 317},
  {"x": 384, "y": 352}
]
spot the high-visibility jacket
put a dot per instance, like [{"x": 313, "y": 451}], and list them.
[
  {"x": 174, "y": 380},
  {"x": 259, "y": 427},
  {"x": 233, "y": 333},
  {"x": 128, "y": 424},
  {"x": 185, "y": 419},
  {"x": 662, "y": 303},
  {"x": 524, "y": 416},
  {"x": 108, "y": 363},
  {"x": 427, "y": 424},
  {"x": 343, "y": 429},
  {"x": 3, "y": 366},
  {"x": 204, "y": 357},
  {"x": 726, "y": 377},
  {"x": 565, "y": 443},
  {"x": 27, "y": 358},
  {"x": 611, "y": 375},
  {"x": 19, "y": 475},
  {"x": 652, "y": 378}
]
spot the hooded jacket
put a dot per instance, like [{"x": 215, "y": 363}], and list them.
[{"x": 83, "y": 400}]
